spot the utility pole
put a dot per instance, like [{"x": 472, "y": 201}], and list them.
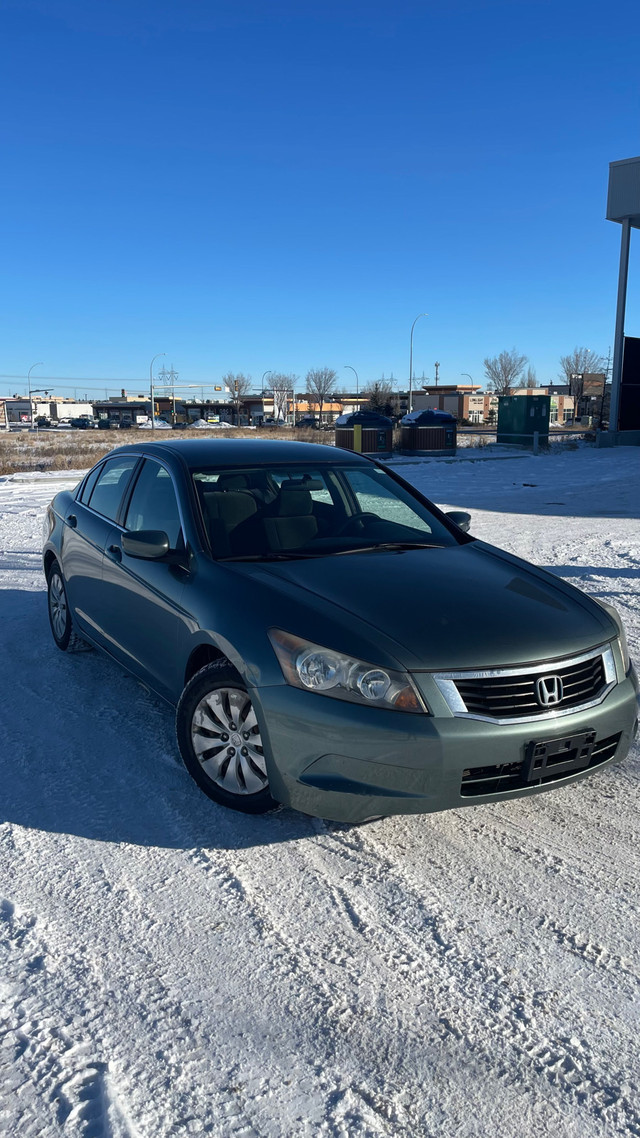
[
  {"x": 604, "y": 386},
  {"x": 151, "y": 391},
  {"x": 436, "y": 366},
  {"x": 411, "y": 360},
  {"x": 172, "y": 376}
]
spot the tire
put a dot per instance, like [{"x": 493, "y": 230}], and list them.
[
  {"x": 60, "y": 621},
  {"x": 219, "y": 740}
]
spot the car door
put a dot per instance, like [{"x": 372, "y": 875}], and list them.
[
  {"x": 142, "y": 614},
  {"x": 87, "y": 524}
]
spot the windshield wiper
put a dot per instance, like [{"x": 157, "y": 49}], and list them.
[
  {"x": 392, "y": 546},
  {"x": 293, "y": 555}
]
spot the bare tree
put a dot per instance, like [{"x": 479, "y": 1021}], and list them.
[
  {"x": 239, "y": 385},
  {"x": 529, "y": 378},
  {"x": 320, "y": 383},
  {"x": 503, "y": 372},
  {"x": 282, "y": 386},
  {"x": 578, "y": 363},
  {"x": 380, "y": 397}
]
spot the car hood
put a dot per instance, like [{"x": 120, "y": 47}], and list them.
[{"x": 464, "y": 606}]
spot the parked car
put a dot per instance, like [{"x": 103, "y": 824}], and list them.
[
  {"x": 83, "y": 423},
  {"x": 108, "y": 424},
  {"x": 332, "y": 640}
]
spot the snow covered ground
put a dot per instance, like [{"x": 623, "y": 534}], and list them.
[{"x": 168, "y": 968}]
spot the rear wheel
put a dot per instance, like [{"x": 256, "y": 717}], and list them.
[
  {"x": 220, "y": 742},
  {"x": 59, "y": 614}
]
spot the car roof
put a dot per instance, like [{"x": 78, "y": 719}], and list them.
[{"x": 197, "y": 453}]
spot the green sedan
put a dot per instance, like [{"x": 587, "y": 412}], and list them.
[{"x": 332, "y": 640}]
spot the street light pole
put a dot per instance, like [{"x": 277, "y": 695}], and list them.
[
  {"x": 268, "y": 372},
  {"x": 151, "y": 392},
  {"x": 467, "y": 375},
  {"x": 411, "y": 360},
  {"x": 29, "y": 386},
  {"x": 357, "y": 384}
]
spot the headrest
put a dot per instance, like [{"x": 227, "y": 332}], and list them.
[
  {"x": 295, "y": 501},
  {"x": 232, "y": 482},
  {"x": 304, "y": 483},
  {"x": 230, "y": 506}
]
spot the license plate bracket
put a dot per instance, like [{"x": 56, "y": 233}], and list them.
[{"x": 554, "y": 758}]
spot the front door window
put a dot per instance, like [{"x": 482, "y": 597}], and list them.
[{"x": 154, "y": 504}]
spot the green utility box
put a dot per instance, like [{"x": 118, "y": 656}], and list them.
[{"x": 519, "y": 416}]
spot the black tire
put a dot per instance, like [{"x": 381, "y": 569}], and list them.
[
  {"x": 219, "y": 740},
  {"x": 60, "y": 620}
]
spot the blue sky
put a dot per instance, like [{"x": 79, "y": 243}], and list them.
[{"x": 250, "y": 186}]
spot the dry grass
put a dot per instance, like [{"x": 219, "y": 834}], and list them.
[{"x": 78, "y": 450}]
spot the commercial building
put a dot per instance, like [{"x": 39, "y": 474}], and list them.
[
  {"x": 465, "y": 401},
  {"x": 17, "y": 412},
  {"x": 562, "y": 410}
]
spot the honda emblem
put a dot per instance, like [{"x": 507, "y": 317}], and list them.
[{"x": 549, "y": 691}]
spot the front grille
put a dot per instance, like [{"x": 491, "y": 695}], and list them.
[
  {"x": 513, "y": 696},
  {"x": 510, "y": 776},
  {"x": 506, "y": 694}
]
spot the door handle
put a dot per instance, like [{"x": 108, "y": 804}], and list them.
[
  {"x": 115, "y": 552},
  {"x": 72, "y": 521}
]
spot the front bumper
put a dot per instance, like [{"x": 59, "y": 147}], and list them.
[{"x": 347, "y": 763}]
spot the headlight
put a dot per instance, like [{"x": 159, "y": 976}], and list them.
[
  {"x": 314, "y": 668},
  {"x": 622, "y": 636}
]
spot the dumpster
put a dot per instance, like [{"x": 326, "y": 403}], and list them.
[
  {"x": 365, "y": 432},
  {"x": 520, "y": 415},
  {"x": 428, "y": 432}
]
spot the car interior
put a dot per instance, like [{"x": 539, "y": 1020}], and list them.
[{"x": 266, "y": 513}]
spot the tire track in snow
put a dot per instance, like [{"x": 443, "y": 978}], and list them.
[
  {"x": 58, "y": 1065},
  {"x": 555, "y": 831},
  {"x": 476, "y": 1005},
  {"x": 597, "y": 882},
  {"x": 415, "y": 983},
  {"x": 576, "y": 942},
  {"x": 40, "y": 1054},
  {"x": 333, "y": 1021}
]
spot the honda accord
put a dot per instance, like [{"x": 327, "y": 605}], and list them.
[{"x": 330, "y": 638}]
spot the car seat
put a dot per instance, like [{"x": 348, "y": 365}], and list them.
[{"x": 292, "y": 523}]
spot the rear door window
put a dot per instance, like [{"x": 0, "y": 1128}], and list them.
[
  {"x": 87, "y": 489},
  {"x": 111, "y": 485}
]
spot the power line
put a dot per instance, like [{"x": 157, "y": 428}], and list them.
[{"x": 76, "y": 380}]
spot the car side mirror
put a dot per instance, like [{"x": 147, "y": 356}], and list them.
[
  {"x": 147, "y": 544},
  {"x": 461, "y": 518}
]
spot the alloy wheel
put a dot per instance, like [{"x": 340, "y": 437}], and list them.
[
  {"x": 58, "y": 605},
  {"x": 226, "y": 740}
]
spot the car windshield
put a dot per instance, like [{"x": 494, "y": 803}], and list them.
[{"x": 281, "y": 512}]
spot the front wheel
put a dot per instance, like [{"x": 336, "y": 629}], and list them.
[{"x": 220, "y": 742}]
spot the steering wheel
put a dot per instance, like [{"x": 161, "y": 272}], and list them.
[{"x": 361, "y": 519}]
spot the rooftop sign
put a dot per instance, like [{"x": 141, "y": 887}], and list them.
[{"x": 623, "y": 201}]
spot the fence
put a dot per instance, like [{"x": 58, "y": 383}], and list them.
[{"x": 536, "y": 444}]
